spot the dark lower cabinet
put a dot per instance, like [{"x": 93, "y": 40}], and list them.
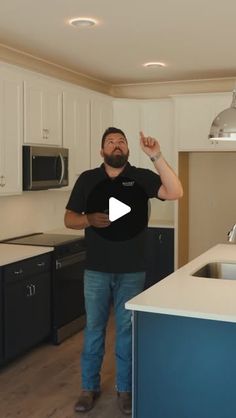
[
  {"x": 27, "y": 287},
  {"x": 1, "y": 320},
  {"x": 159, "y": 254}
]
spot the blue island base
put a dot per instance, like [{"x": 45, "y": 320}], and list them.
[{"x": 183, "y": 367}]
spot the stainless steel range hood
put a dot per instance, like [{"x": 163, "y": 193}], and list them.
[{"x": 223, "y": 127}]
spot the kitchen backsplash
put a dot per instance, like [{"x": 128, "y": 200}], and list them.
[
  {"x": 44, "y": 210},
  {"x": 162, "y": 211},
  {"x": 32, "y": 212}
]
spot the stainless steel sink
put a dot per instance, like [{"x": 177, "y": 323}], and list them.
[{"x": 217, "y": 270}]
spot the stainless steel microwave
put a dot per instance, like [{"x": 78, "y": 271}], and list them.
[{"x": 44, "y": 167}]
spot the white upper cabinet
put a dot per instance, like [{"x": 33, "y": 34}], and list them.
[
  {"x": 127, "y": 117},
  {"x": 42, "y": 112},
  {"x": 76, "y": 131},
  {"x": 101, "y": 119},
  {"x": 158, "y": 121},
  {"x": 154, "y": 118},
  {"x": 11, "y": 131},
  {"x": 194, "y": 115}
]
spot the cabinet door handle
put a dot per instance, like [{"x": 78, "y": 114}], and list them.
[
  {"x": 2, "y": 181},
  {"x": 58, "y": 265},
  {"x": 33, "y": 289},
  {"x": 45, "y": 133},
  {"x": 28, "y": 291},
  {"x": 160, "y": 238}
]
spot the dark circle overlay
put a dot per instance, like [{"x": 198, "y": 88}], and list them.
[{"x": 129, "y": 192}]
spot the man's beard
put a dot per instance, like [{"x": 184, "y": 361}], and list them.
[{"x": 116, "y": 160}]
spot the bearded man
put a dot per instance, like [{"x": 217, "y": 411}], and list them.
[{"x": 115, "y": 269}]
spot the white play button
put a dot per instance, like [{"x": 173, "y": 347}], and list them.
[{"x": 117, "y": 209}]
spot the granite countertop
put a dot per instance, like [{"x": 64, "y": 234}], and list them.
[
  {"x": 182, "y": 294},
  {"x": 10, "y": 253}
]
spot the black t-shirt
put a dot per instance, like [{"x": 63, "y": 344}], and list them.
[{"x": 107, "y": 250}]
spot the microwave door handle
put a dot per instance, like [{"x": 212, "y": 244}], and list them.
[
  {"x": 62, "y": 168},
  {"x": 31, "y": 176}
]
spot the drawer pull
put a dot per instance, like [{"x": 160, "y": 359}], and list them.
[
  {"x": 41, "y": 264},
  {"x": 18, "y": 271}
]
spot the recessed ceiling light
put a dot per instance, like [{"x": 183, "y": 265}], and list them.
[
  {"x": 80, "y": 22},
  {"x": 154, "y": 64}
]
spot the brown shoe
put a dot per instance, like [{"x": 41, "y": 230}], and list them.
[
  {"x": 125, "y": 402},
  {"x": 86, "y": 400}
]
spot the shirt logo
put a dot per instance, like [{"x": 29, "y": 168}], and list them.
[{"x": 128, "y": 183}]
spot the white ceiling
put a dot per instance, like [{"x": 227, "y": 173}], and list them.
[{"x": 195, "y": 38}]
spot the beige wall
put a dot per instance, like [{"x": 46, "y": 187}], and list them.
[{"x": 212, "y": 199}]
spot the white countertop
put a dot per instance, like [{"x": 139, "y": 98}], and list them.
[
  {"x": 80, "y": 232},
  {"x": 10, "y": 253},
  {"x": 182, "y": 294},
  {"x": 66, "y": 231},
  {"x": 157, "y": 223}
]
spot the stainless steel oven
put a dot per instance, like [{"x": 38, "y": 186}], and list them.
[
  {"x": 68, "y": 291},
  {"x": 68, "y": 263}
]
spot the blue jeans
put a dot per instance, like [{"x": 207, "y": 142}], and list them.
[{"x": 100, "y": 290}]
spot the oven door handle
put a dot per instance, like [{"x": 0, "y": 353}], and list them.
[{"x": 70, "y": 259}]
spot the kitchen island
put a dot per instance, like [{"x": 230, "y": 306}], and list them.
[{"x": 185, "y": 343}]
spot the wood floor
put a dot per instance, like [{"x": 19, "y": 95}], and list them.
[{"x": 45, "y": 383}]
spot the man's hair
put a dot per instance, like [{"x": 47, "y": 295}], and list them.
[{"x": 112, "y": 130}]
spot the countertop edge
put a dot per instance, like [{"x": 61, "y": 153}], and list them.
[
  {"x": 12, "y": 253},
  {"x": 188, "y": 314}
]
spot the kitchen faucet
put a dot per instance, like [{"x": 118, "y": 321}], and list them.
[{"x": 232, "y": 234}]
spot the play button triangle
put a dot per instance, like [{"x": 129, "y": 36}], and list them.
[{"x": 117, "y": 209}]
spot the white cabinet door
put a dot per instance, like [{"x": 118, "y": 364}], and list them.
[
  {"x": 194, "y": 115},
  {"x": 193, "y": 118},
  {"x": 158, "y": 121},
  {"x": 127, "y": 117},
  {"x": 42, "y": 112},
  {"x": 11, "y": 132},
  {"x": 101, "y": 119},
  {"x": 154, "y": 118},
  {"x": 76, "y": 131}
]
